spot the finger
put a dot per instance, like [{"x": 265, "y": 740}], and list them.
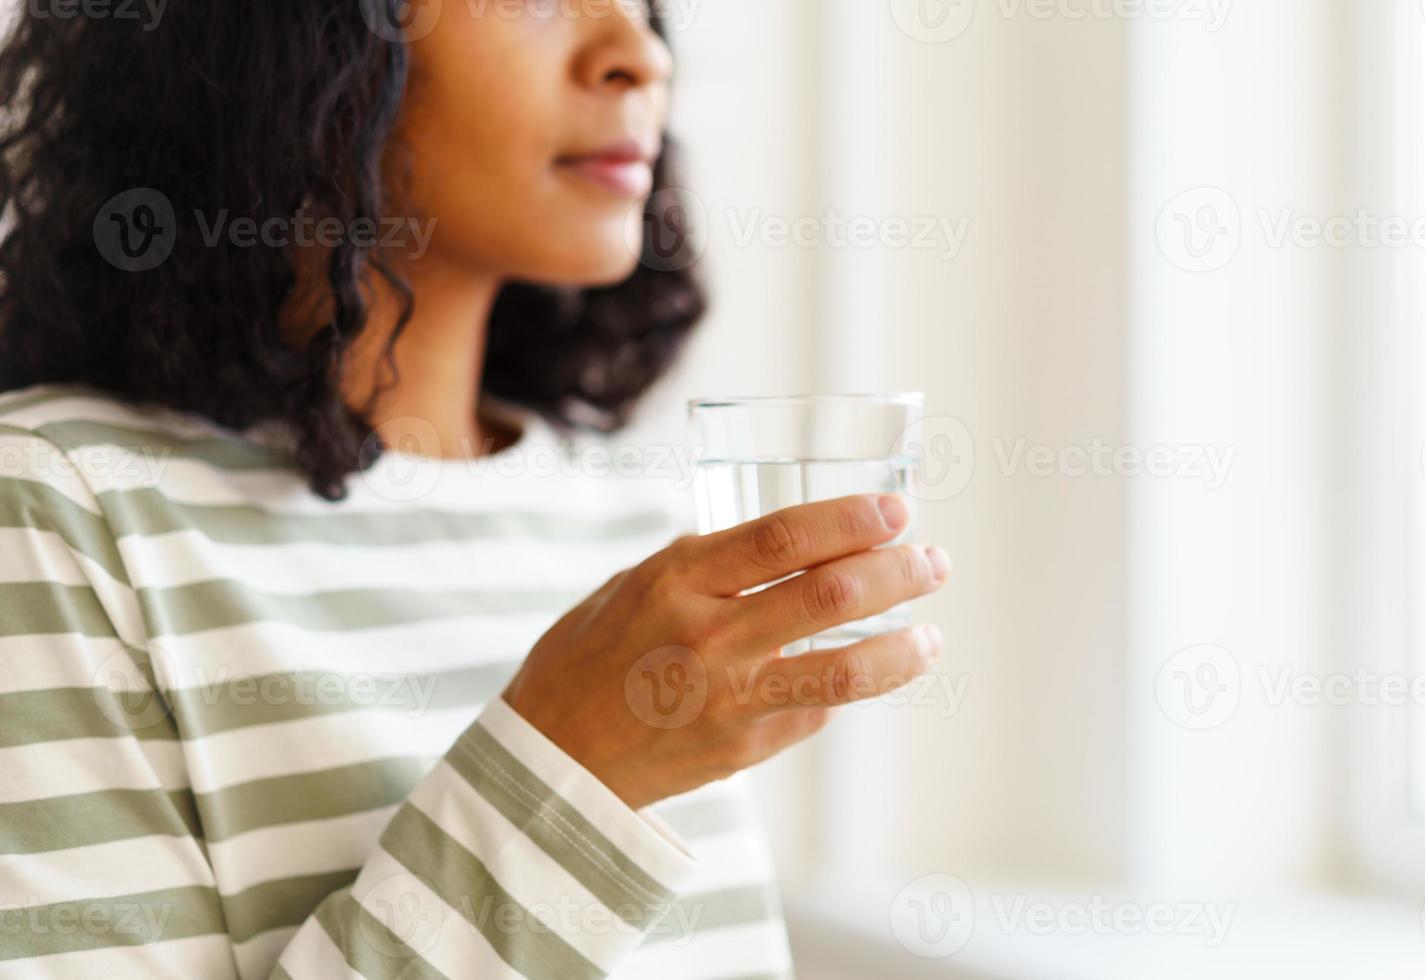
[
  {"x": 866, "y": 669},
  {"x": 789, "y": 540},
  {"x": 828, "y": 595}
]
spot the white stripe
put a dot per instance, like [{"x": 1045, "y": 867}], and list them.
[
  {"x": 99, "y": 871},
  {"x": 302, "y": 567},
  {"x": 470, "y": 486},
  {"x": 89, "y": 765},
  {"x": 30, "y": 457},
  {"x": 755, "y": 948},
  {"x": 598, "y": 485},
  {"x": 205, "y": 957},
  {"x": 325, "y": 742},
  {"x": 33, "y": 555},
  {"x": 311, "y": 847},
  {"x": 107, "y": 410},
  {"x": 437, "y": 932},
  {"x": 119, "y": 601},
  {"x": 641, "y": 835},
  {"x": 434, "y": 646},
  {"x": 531, "y": 877},
  {"x": 37, "y": 662},
  {"x": 313, "y": 956}
]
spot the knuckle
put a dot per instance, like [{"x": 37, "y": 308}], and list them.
[
  {"x": 683, "y": 546},
  {"x": 663, "y": 568},
  {"x": 847, "y": 676},
  {"x": 913, "y": 566},
  {"x": 645, "y": 573},
  {"x": 831, "y": 593},
  {"x": 774, "y": 542},
  {"x": 700, "y": 629},
  {"x": 858, "y": 518},
  {"x": 676, "y": 560}
]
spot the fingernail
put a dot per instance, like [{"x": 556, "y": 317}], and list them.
[
  {"x": 893, "y": 511},
  {"x": 939, "y": 562}
]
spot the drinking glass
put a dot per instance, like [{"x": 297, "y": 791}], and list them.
[{"x": 760, "y": 454}]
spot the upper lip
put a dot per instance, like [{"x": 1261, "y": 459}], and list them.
[{"x": 620, "y": 151}]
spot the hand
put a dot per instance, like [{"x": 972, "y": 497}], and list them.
[{"x": 594, "y": 684}]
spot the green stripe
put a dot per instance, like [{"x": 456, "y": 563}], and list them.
[
  {"x": 83, "y": 819},
  {"x": 221, "y": 603},
  {"x": 550, "y": 821},
  {"x": 56, "y": 714},
  {"x": 145, "y": 511},
  {"x": 320, "y": 795},
  {"x": 37, "y": 505},
  {"x": 282, "y": 902},
  {"x": 467, "y": 886},
  {"x": 369, "y": 947},
  {"x": 228, "y": 453},
  {"x": 31, "y": 717},
  {"x": 696, "y": 914},
  {"x": 278, "y": 973},
  {"x": 99, "y": 923},
  {"x": 44, "y": 607},
  {"x": 268, "y": 699}
]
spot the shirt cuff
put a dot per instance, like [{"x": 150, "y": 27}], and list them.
[{"x": 639, "y": 836}]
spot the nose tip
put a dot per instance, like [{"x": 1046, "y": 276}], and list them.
[{"x": 630, "y": 55}]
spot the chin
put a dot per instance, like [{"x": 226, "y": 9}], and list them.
[{"x": 592, "y": 263}]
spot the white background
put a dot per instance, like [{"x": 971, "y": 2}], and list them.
[{"x": 1068, "y": 318}]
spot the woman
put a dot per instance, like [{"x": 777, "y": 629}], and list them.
[{"x": 273, "y": 542}]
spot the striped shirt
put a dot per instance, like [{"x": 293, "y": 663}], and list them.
[{"x": 249, "y": 732}]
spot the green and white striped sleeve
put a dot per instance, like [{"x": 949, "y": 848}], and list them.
[{"x": 508, "y": 859}]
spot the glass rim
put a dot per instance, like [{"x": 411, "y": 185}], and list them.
[{"x": 870, "y": 398}]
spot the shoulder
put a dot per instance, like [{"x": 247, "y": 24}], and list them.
[{"x": 80, "y": 436}]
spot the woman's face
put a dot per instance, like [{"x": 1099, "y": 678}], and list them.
[{"x": 529, "y": 130}]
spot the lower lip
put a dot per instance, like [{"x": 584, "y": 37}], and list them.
[{"x": 627, "y": 178}]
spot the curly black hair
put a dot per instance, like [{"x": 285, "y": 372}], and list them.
[{"x": 264, "y": 110}]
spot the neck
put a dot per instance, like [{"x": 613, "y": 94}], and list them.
[{"x": 430, "y": 404}]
